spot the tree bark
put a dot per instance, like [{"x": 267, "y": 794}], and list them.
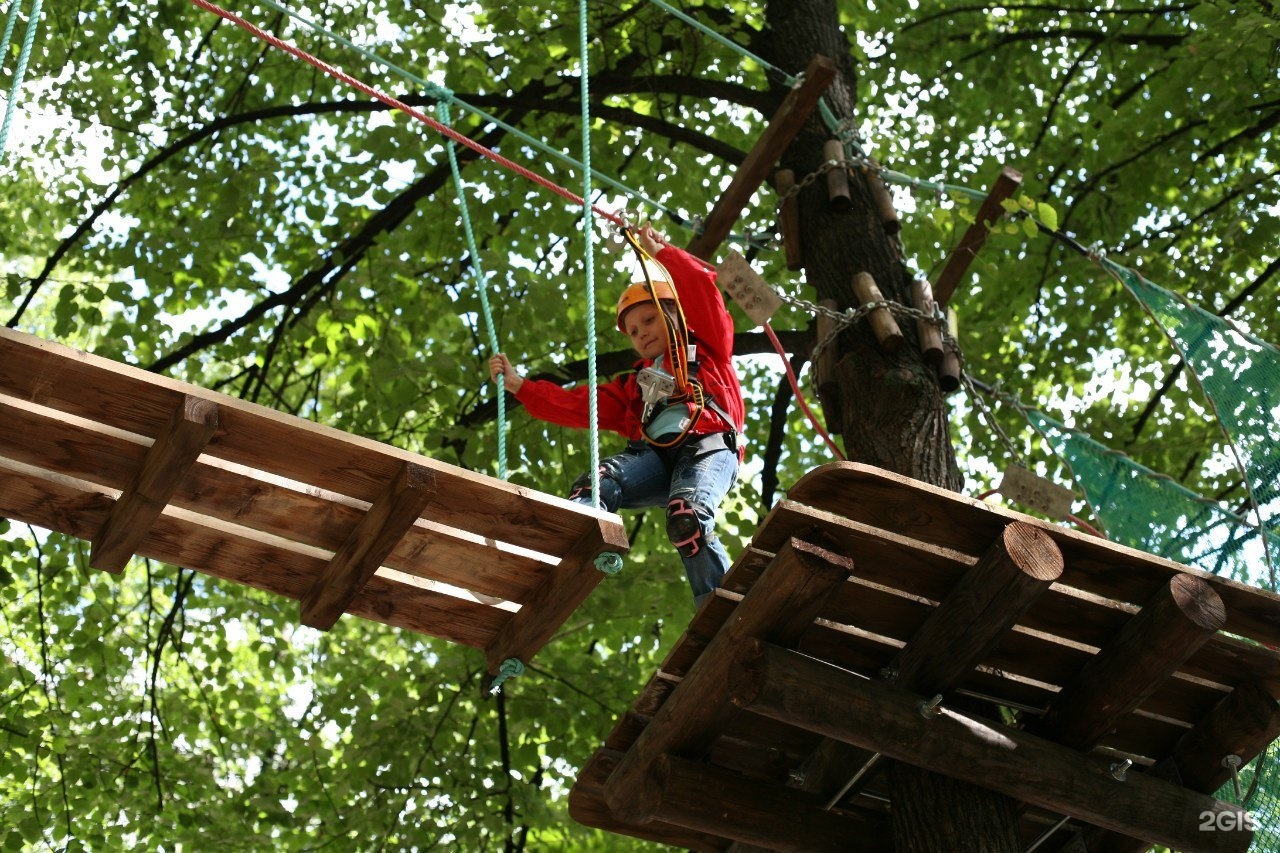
[{"x": 891, "y": 410}]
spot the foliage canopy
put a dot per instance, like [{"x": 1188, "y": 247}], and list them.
[{"x": 182, "y": 197}]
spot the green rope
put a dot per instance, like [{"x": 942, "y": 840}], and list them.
[
  {"x": 21, "y": 70},
  {"x": 510, "y": 668},
  {"x": 482, "y": 286},
  {"x": 593, "y": 407}
]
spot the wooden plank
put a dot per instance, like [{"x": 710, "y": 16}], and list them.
[
  {"x": 92, "y": 452},
  {"x": 77, "y": 508},
  {"x": 962, "y": 255},
  {"x": 151, "y": 487},
  {"x": 564, "y": 588},
  {"x": 877, "y": 716},
  {"x": 780, "y": 607},
  {"x": 913, "y": 570},
  {"x": 378, "y": 532},
  {"x": 705, "y": 798},
  {"x": 127, "y": 398},
  {"x": 783, "y": 127},
  {"x": 939, "y": 517},
  {"x": 1152, "y": 646}
]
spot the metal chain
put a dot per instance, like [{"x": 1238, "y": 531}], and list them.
[{"x": 987, "y": 416}]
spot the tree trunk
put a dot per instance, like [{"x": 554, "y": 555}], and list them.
[{"x": 890, "y": 409}]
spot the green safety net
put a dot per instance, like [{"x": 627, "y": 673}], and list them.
[{"x": 1240, "y": 378}]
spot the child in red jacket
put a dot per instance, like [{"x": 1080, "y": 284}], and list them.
[{"x": 684, "y": 443}]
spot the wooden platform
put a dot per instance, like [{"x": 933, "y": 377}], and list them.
[
  {"x": 140, "y": 464},
  {"x": 862, "y": 597}
]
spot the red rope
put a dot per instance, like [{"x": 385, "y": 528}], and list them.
[
  {"x": 460, "y": 138},
  {"x": 795, "y": 389}
]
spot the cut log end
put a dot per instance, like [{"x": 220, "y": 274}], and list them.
[
  {"x": 1198, "y": 602},
  {"x": 1033, "y": 551}
]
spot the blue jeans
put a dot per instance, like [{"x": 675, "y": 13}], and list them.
[{"x": 690, "y": 481}]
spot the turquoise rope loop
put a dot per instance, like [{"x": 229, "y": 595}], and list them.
[
  {"x": 481, "y": 285},
  {"x": 610, "y": 563},
  {"x": 510, "y": 668},
  {"x": 21, "y": 70}
]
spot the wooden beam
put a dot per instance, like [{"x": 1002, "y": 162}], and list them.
[
  {"x": 988, "y": 601},
  {"x": 1180, "y": 619},
  {"x": 708, "y": 799},
  {"x": 821, "y": 698},
  {"x": 566, "y": 586},
  {"x": 1242, "y": 724},
  {"x": 780, "y": 607},
  {"x": 587, "y": 807},
  {"x": 166, "y": 462},
  {"x": 783, "y": 127},
  {"x": 378, "y": 532},
  {"x": 963, "y": 254}
]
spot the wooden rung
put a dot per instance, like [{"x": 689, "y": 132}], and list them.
[
  {"x": 166, "y": 462},
  {"x": 783, "y": 127},
  {"x": 965, "y": 251},
  {"x": 989, "y": 600},
  {"x": 815, "y": 696},
  {"x": 781, "y": 606},
  {"x": 1181, "y": 618},
  {"x": 378, "y": 532}
]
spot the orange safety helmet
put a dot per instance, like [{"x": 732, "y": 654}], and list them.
[{"x": 639, "y": 293}]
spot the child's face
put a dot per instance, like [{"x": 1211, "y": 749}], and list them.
[{"x": 646, "y": 329}]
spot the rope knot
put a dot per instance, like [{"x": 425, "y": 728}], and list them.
[
  {"x": 609, "y": 563},
  {"x": 510, "y": 668}
]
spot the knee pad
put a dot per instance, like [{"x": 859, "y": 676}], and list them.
[
  {"x": 684, "y": 528},
  {"x": 610, "y": 490}
]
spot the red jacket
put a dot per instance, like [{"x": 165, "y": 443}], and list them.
[{"x": 619, "y": 402}]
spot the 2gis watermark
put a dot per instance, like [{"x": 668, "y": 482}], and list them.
[{"x": 1228, "y": 821}]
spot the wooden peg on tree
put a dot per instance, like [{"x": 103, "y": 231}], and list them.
[
  {"x": 824, "y": 366},
  {"x": 930, "y": 335},
  {"x": 789, "y": 218},
  {"x": 881, "y": 319},
  {"x": 838, "y": 198},
  {"x": 884, "y": 200},
  {"x": 949, "y": 368}
]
